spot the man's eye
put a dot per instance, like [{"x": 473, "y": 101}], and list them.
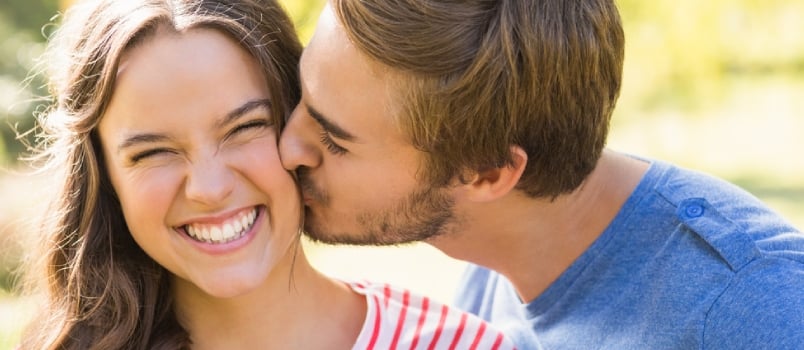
[{"x": 331, "y": 146}]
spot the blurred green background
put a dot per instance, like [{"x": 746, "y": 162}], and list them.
[{"x": 715, "y": 85}]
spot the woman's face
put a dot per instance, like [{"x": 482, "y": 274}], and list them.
[{"x": 192, "y": 154}]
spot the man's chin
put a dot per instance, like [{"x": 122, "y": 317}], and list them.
[
  {"x": 316, "y": 237},
  {"x": 318, "y": 233},
  {"x": 334, "y": 239},
  {"x": 313, "y": 231}
]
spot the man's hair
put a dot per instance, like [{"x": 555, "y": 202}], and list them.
[{"x": 477, "y": 77}]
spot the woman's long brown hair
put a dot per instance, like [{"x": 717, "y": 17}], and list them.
[{"x": 101, "y": 290}]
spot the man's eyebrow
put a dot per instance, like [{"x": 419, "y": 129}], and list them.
[
  {"x": 329, "y": 126},
  {"x": 229, "y": 118}
]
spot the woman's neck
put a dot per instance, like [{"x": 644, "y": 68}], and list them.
[{"x": 294, "y": 302}]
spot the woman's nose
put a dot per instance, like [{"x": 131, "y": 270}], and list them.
[{"x": 209, "y": 182}]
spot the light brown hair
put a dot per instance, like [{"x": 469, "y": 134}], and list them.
[
  {"x": 102, "y": 290},
  {"x": 479, "y": 76}
]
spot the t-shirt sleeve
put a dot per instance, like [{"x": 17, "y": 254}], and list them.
[
  {"x": 763, "y": 308},
  {"x": 471, "y": 289},
  {"x": 400, "y": 319}
]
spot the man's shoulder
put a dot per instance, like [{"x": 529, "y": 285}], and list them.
[
  {"x": 762, "y": 306},
  {"x": 729, "y": 220}
]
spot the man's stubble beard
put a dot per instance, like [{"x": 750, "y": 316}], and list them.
[{"x": 422, "y": 215}]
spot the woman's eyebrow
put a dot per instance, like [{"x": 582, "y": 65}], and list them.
[
  {"x": 140, "y": 138},
  {"x": 229, "y": 118},
  {"x": 243, "y": 110}
]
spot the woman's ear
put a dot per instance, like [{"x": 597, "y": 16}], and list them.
[{"x": 493, "y": 183}]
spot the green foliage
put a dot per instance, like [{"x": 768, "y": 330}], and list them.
[
  {"x": 679, "y": 54},
  {"x": 28, "y": 15},
  {"x": 21, "y": 28}
]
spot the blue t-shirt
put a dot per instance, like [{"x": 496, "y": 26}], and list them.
[{"x": 689, "y": 262}]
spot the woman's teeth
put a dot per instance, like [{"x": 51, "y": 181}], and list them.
[{"x": 224, "y": 232}]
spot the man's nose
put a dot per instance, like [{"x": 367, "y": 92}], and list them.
[{"x": 298, "y": 143}]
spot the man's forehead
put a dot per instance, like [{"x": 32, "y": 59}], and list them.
[
  {"x": 330, "y": 40},
  {"x": 328, "y": 37},
  {"x": 345, "y": 86}
]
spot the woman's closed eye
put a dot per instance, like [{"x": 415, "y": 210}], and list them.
[
  {"x": 251, "y": 125},
  {"x": 242, "y": 132},
  {"x": 150, "y": 153}
]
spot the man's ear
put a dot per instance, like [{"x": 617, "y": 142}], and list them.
[{"x": 491, "y": 184}]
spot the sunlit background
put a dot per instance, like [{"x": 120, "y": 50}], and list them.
[{"x": 715, "y": 85}]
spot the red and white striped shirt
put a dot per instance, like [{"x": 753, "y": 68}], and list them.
[{"x": 399, "y": 319}]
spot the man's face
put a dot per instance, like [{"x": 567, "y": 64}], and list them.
[{"x": 359, "y": 174}]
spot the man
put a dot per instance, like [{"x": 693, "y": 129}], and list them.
[{"x": 479, "y": 127}]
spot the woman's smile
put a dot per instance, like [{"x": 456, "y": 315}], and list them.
[
  {"x": 230, "y": 229},
  {"x": 228, "y": 235}
]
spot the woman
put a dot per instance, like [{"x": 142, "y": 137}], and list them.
[{"x": 175, "y": 225}]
